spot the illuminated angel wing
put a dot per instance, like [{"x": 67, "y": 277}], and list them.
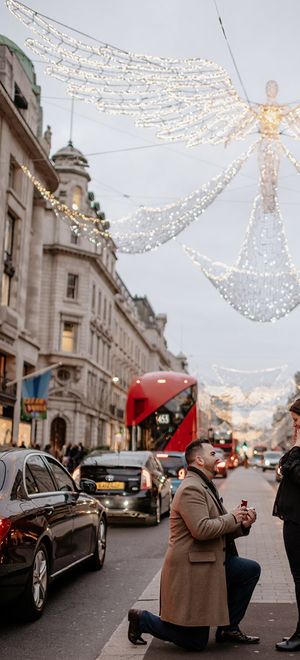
[
  {"x": 190, "y": 100},
  {"x": 291, "y": 122}
]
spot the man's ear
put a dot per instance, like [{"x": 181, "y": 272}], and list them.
[{"x": 200, "y": 459}]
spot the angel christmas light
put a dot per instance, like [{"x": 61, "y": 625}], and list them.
[{"x": 194, "y": 101}]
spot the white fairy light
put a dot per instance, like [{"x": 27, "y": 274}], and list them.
[
  {"x": 149, "y": 228},
  {"x": 264, "y": 284},
  {"x": 79, "y": 223}
]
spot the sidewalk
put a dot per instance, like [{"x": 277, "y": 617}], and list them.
[{"x": 272, "y": 612}]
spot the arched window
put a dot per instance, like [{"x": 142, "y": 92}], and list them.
[{"x": 77, "y": 198}]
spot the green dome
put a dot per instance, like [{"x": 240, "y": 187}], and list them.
[{"x": 23, "y": 59}]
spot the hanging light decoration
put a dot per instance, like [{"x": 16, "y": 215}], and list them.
[
  {"x": 80, "y": 224},
  {"x": 149, "y": 228},
  {"x": 264, "y": 284},
  {"x": 190, "y": 100}
]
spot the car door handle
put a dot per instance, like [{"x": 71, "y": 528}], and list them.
[{"x": 49, "y": 510}]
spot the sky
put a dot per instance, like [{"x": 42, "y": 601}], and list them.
[{"x": 129, "y": 166}]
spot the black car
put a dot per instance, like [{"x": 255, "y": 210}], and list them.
[
  {"x": 174, "y": 466},
  {"x": 47, "y": 525},
  {"x": 130, "y": 484}
]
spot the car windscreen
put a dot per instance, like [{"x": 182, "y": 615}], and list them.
[
  {"x": 174, "y": 462},
  {"x": 273, "y": 454},
  {"x": 2, "y": 474}
]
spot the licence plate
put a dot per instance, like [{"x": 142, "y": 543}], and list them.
[{"x": 112, "y": 485}]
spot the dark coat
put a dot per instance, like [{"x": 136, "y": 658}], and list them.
[{"x": 287, "y": 502}]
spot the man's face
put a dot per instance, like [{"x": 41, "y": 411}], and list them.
[{"x": 208, "y": 459}]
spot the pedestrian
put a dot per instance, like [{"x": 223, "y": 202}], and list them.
[
  {"x": 286, "y": 507},
  {"x": 246, "y": 460},
  {"x": 203, "y": 582}
]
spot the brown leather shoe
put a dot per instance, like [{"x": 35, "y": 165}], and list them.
[
  {"x": 235, "y": 637},
  {"x": 134, "y": 633}
]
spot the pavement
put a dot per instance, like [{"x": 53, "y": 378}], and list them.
[{"x": 272, "y": 612}]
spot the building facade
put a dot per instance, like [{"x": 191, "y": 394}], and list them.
[
  {"x": 63, "y": 303},
  {"x": 21, "y": 142}
]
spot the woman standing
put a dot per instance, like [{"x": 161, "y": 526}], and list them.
[{"x": 287, "y": 508}]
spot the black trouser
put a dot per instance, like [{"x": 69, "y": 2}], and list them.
[{"x": 291, "y": 537}]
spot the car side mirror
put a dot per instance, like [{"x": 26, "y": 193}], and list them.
[{"x": 88, "y": 486}]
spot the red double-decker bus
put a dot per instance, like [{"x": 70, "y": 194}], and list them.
[{"x": 161, "y": 411}]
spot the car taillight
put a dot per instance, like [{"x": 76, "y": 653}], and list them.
[
  {"x": 221, "y": 464},
  {"x": 181, "y": 473},
  {"x": 146, "y": 481},
  {"x": 5, "y": 525}
]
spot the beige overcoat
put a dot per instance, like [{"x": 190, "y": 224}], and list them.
[{"x": 193, "y": 581}]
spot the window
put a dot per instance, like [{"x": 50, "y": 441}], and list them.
[
  {"x": 2, "y": 365},
  {"x": 68, "y": 340},
  {"x": 62, "y": 478},
  {"x": 74, "y": 238},
  {"x": 99, "y": 303},
  {"x": 8, "y": 270},
  {"x": 14, "y": 176},
  {"x": 104, "y": 309},
  {"x": 37, "y": 477},
  {"x": 77, "y": 198},
  {"x": 92, "y": 342},
  {"x": 109, "y": 314},
  {"x": 93, "y": 297},
  {"x": 72, "y": 286}
]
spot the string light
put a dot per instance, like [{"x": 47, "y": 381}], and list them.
[
  {"x": 79, "y": 223},
  {"x": 189, "y": 99},
  {"x": 149, "y": 228},
  {"x": 264, "y": 284}
]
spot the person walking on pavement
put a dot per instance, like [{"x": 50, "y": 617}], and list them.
[
  {"x": 287, "y": 508},
  {"x": 203, "y": 582}
]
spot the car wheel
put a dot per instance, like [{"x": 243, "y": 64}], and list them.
[
  {"x": 264, "y": 469},
  {"x": 36, "y": 591},
  {"x": 225, "y": 475},
  {"x": 97, "y": 560}
]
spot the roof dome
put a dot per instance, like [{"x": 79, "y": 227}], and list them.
[
  {"x": 22, "y": 57},
  {"x": 71, "y": 159}
]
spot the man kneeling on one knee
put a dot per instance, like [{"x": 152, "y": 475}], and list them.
[{"x": 203, "y": 582}]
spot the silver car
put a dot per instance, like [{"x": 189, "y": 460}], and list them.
[{"x": 271, "y": 460}]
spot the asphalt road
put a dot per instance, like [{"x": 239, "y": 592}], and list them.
[{"x": 84, "y": 607}]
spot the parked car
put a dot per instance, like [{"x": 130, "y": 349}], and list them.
[
  {"x": 174, "y": 466},
  {"x": 221, "y": 469},
  {"x": 47, "y": 525},
  {"x": 271, "y": 460},
  {"x": 130, "y": 484}
]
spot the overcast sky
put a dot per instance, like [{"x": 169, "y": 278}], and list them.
[{"x": 264, "y": 37}]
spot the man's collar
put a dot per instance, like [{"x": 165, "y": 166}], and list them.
[{"x": 201, "y": 474}]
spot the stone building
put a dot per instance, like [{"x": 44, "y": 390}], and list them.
[
  {"x": 21, "y": 142},
  {"x": 63, "y": 303}
]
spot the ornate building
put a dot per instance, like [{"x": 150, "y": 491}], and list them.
[
  {"x": 21, "y": 215},
  {"x": 63, "y": 302}
]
